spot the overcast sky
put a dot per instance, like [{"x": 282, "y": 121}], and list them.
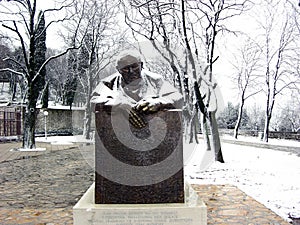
[{"x": 227, "y": 48}]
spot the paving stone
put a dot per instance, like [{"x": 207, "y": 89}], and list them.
[{"x": 235, "y": 208}]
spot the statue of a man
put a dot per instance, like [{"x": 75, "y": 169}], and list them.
[{"x": 136, "y": 90}]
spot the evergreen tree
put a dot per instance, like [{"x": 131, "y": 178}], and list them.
[
  {"x": 40, "y": 58},
  {"x": 18, "y": 56},
  {"x": 45, "y": 96}
]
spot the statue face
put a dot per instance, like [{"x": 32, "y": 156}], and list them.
[{"x": 131, "y": 72}]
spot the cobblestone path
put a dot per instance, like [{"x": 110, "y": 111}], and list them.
[{"x": 39, "y": 188}]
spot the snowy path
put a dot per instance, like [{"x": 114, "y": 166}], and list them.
[{"x": 269, "y": 176}]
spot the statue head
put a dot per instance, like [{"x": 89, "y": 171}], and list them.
[{"x": 130, "y": 67}]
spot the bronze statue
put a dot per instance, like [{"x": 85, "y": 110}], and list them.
[{"x": 136, "y": 90}]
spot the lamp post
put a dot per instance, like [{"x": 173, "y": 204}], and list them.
[{"x": 45, "y": 118}]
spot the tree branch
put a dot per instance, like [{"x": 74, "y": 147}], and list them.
[
  {"x": 54, "y": 57},
  {"x": 21, "y": 40},
  {"x": 16, "y": 62},
  {"x": 13, "y": 71}
]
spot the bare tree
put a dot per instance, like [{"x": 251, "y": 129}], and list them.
[
  {"x": 278, "y": 47},
  {"x": 214, "y": 15},
  {"x": 101, "y": 39},
  {"x": 162, "y": 26},
  {"x": 178, "y": 25},
  {"x": 6, "y": 75},
  {"x": 247, "y": 76},
  {"x": 24, "y": 18},
  {"x": 57, "y": 73}
]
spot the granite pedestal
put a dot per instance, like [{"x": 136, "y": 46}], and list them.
[{"x": 138, "y": 165}]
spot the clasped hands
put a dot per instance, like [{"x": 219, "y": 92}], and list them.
[
  {"x": 137, "y": 111},
  {"x": 146, "y": 106}
]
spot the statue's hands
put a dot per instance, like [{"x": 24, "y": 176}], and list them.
[
  {"x": 152, "y": 105},
  {"x": 136, "y": 119},
  {"x": 137, "y": 111}
]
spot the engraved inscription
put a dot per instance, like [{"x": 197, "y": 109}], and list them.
[{"x": 143, "y": 218}]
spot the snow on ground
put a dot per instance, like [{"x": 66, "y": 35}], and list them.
[
  {"x": 271, "y": 177},
  {"x": 63, "y": 140}
]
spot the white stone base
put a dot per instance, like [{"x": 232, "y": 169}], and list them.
[{"x": 193, "y": 212}]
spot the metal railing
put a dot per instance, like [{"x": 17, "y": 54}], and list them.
[{"x": 10, "y": 121}]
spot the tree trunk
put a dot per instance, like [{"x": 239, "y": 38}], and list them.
[
  {"x": 238, "y": 122},
  {"x": 211, "y": 116},
  {"x": 216, "y": 143},
  {"x": 29, "y": 124},
  {"x": 87, "y": 122},
  {"x": 13, "y": 88},
  {"x": 88, "y": 111},
  {"x": 266, "y": 128},
  {"x": 205, "y": 131},
  {"x": 45, "y": 96}
]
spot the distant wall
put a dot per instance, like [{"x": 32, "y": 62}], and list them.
[
  {"x": 272, "y": 134},
  {"x": 285, "y": 135},
  {"x": 62, "y": 121}
]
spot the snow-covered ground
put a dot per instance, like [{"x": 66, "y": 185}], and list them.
[
  {"x": 63, "y": 140},
  {"x": 271, "y": 177}
]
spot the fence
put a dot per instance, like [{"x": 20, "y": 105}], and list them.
[
  {"x": 59, "y": 121},
  {"x": 10, "y": 121},
  {"x": 272, "y": 134}
]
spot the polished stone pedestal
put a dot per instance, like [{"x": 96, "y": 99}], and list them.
[
  {"x": 192, "y": 212},
  {"x": 138, "y": 166}
]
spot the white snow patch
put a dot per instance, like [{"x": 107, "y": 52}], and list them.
[
  {"x": 269, "y": 176},
  {"x": 57, "y": 140},
  {"x": 57, "y": 105},
  {"x": 29, "y": 149},
  {"x": 64, "y": 140}
]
